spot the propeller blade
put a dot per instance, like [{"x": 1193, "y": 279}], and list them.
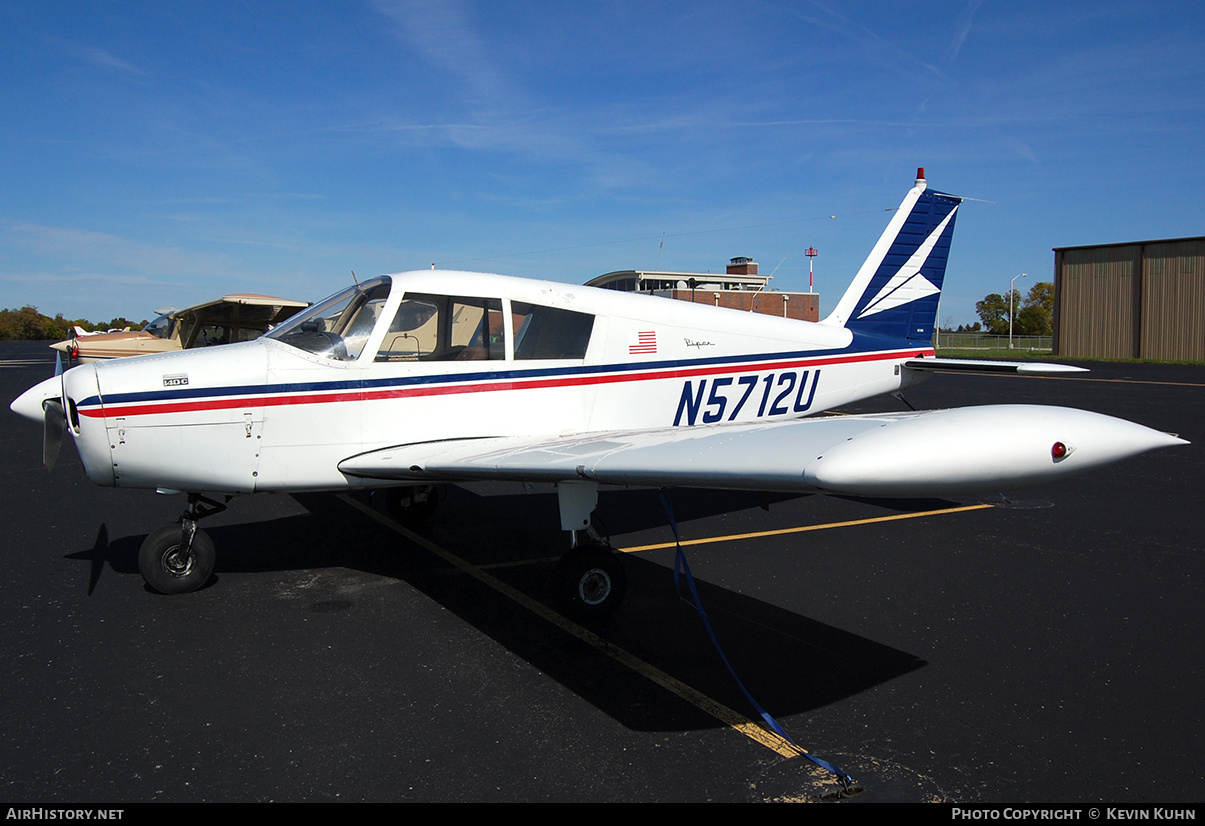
[{"x": 52, "y": 434}]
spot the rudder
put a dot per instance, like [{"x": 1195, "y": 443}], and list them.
[{"x": 896, "y": 292}]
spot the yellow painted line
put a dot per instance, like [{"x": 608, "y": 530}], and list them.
[
  {"x": 803, "y": 528},
  {"x": 729, "y": 717},
  {"x": 698, "y": 699}
]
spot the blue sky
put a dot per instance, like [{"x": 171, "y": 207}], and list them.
[{"x": 158, "y": 154}]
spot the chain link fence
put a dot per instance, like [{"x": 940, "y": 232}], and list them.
[{"x": 991, "y": 343}]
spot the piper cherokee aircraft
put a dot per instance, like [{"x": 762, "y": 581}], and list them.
[{"x": 430, "y": 377}]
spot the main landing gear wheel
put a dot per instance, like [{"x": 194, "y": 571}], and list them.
[
  {"x": 589, "y": 583},
  {"x": 412, "y": 506},
  {"x": 168, "y": 568}
]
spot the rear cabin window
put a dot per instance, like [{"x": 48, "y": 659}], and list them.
[
  {"x": 444, "y": 328},
  {"x": 550, "y": 332}
]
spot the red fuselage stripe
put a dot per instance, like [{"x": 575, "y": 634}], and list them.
[{"x": 158, "y": 408}]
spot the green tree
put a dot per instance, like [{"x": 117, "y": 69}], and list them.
[
  {"x": 27, "y": 324},
  {"x": 1036, "y": 316},
  {"x": 993, "y": 311},
  {"x": 1031, "y": 316}
]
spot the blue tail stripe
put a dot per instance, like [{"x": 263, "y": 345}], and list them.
[{"x": 883, "y": 309}]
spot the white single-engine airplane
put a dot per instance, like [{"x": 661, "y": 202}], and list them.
[{"x": 426, "y": 377}]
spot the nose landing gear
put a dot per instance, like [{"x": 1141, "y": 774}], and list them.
[{"x": 179, "y": 558}]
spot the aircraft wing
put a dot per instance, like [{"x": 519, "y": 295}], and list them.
[{"x": 928, "y": 453}]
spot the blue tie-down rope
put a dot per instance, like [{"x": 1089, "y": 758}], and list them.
[{"x": 681, "y": 567}]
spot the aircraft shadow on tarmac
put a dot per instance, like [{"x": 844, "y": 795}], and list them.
[{"x": 790, "y": 663}]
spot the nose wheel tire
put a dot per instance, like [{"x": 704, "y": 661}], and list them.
[
  {"x": 589, "y": 583},
  {"x": 168, "y": 569}
]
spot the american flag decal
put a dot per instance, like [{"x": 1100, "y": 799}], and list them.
[{"x": 643, "y": 343}]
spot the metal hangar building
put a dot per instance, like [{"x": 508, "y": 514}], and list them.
[{"x": 1141, "y": 300}]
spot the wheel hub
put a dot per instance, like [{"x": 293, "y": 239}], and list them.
[
  {"x": 177, "y": 562},
  {"x": 594, "y": 587}
]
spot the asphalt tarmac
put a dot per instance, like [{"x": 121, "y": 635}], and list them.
[{"x": 1045, "y": 649}]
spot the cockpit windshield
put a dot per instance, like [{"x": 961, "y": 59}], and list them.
[
  {"x": 338, "y": 327},
  {"x": 162, "y": 327}
]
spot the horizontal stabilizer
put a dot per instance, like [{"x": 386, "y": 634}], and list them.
[{"x": 985, "y": 366}]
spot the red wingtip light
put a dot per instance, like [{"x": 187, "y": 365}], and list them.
[{"x": 1058, "y": 451}]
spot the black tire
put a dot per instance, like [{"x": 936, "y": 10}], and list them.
[
  {"x": 166, "y": 571},
  {"x": 590, "y": 583},
  {"x": 412, "y": 506}
]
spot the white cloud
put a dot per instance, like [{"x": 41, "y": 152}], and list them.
[{"x": 105, "y": 59}]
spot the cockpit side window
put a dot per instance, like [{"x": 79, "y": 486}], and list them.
[
  {"x": 444, "y": 328},
  {"x": 550, "y": 332}
]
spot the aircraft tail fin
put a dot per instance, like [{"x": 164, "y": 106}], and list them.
[{"x": 896, "y": 291}]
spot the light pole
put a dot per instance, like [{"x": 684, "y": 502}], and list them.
[
  {"x": 811, "y": 253},
  {"x": 1010, "y": 308}
]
